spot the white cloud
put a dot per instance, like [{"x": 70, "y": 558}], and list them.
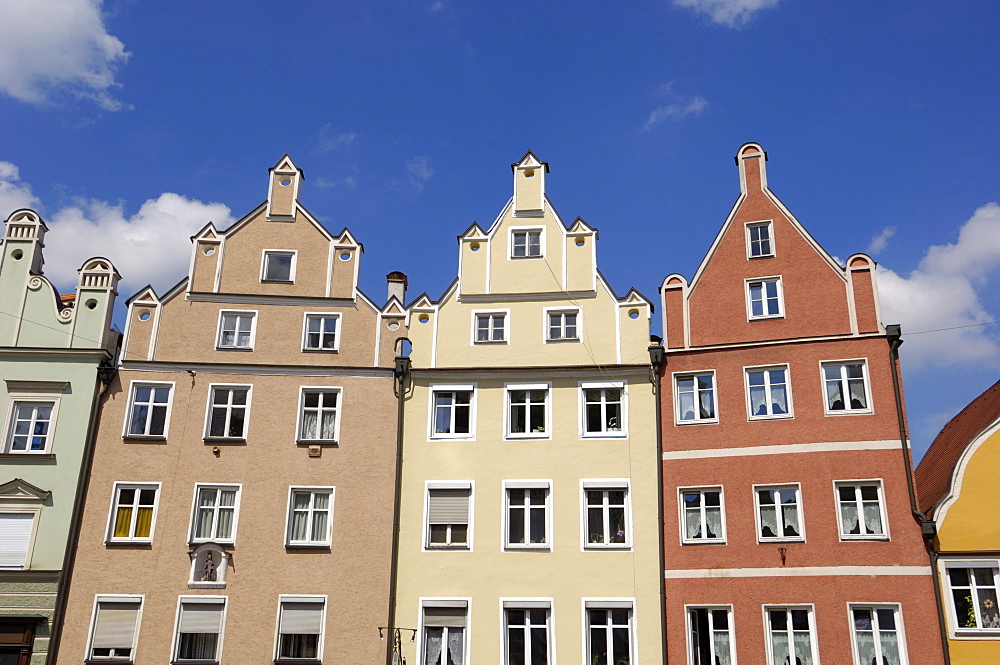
[
  {"x": 14, "y": 194},
  {"x": 733, "y": 13},
  {"x": 881, "y": 241},
  {"x": 419, "y": 171},
  {"x": 678, "y": 106},
  {"x": 943, "y": 292},
  {"x": 53, "y": 47},
  {"x": 328, "y": 139}
]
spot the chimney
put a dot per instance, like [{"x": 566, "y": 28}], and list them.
[{"x": 397, "y": 286}]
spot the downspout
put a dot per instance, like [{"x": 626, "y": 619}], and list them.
[
  {"x": 105, "y": 375},
  {"x": 894, "y": 335},
  {"x": 657, "y": 359},
  {"x": 400, "y": 374}
]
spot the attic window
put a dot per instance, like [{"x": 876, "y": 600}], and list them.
[
  {"x": 278, "y": 266},
  {"x": 285, "y": 181},
  {"x": 529, "y": 173}
]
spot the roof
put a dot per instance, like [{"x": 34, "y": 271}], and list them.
[{"x": 934, "y": 474}]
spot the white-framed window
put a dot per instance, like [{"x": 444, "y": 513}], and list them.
[
  {"x": 607, "y": 514},
  {"x": 228, "y": 412},
  {"x": 609, "y": 632},
  {"x": 710, "y": 635},
  {"x": 562, "y": 325},
  {"x": 759, "y": 240},
  {"x": 489, "y": 327},
  {"x": 779, "y": 513},
  {"x": 300, "y": 628},
  {"x": 31, "y": 425},
  {"x": 114, "y": 628},
  {"x": 149, "y": 409},
  {"x": 791, "y": 635},
  {"x": 236, "y": 329},
  {"x": 449, "y": 516},
  {"x": 198, "y": 637},
  {"x": 527, "y": 410},
  {"x": 878, "y": 635},
  {"x": 321, "y": 331},
  {"x": 861, "y": 510},
  {"x": 768, "y": 392},
  {"x": 443, "y": 636},
  {"x": 846, "y": 384},
  {"x": 216, "y": 511},
  {"x": 527, "y": 514},
  {"x": 703, "y": 519},
  {"x": 764, "y": 298},
  {"x": 278, "y": 265},
  {"x": 604, "y": 407},
  {"x": 133, "y": 512},
  {"x": 527, "y": 632},
  {"x": 526, "y": 243},
  {"x": 310, "y": 517},
  {"x": 318, "y": 414},
  {"x": 694, "y": 395},
  {"x": 973, "y": 601},
  {"x": 452, "y": 411},
  {"x": 17, "y": 530}
]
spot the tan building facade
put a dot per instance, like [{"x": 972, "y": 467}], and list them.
[
  {"x": 240, "y": 503},
  {"x": 528, "y": 523}
]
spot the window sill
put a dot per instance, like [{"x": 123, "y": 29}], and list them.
[
  {"x": 559, "y": 340},
  {"x": 97, "y": 661},
  {"x": 714, "y": 421},
  {"x": 761, "y": 256},
  {"x": 976, "y": 634},
  {"x": 705, "y": 541},
  {"x": 782, "y": 416},
  {"x": 769, "y": 541},
  {"x": 27, "y": 456},
  {"x": 224, "y": 439},
  {"x": 297, "y": 661},
  {"x": 151, "y": 438},
  {"x": 227, "y": 348},
  {"x": 604, "y": 435},
  {"x": 145, "y": 542},
  {"x": 317, "y": 442},
  {"x": 522, "y": 258},
  {"x": 206, "y": 585},
  {"x": 863, "y": 539},
  {"x": 766, "y": 318},
  {"x": 277, "y": 281},
  {"x": 447, "y": 548},
  {"x": 319, "y": 351},
  {"x": 307, "y": 546},
  {"x": 850, "y": 412},
  {"x": 194, "y": 662},
  {"x": 490, "y": 342},
  {"x": 451, "y": 437},
  {"x": 210, "y": 541},
  {"x": 517, "y": 436},
  {"x": 540, "y": 547}
]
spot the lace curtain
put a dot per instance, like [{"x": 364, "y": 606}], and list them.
[
  {"x": 803, "y": 649},
  {"x": 873, "y": 518},
  {"x": 455, "y": 646},
  {"x": 432, "y": 645},
  {"x": 723, "y": 654},
  {"x": 714, "y": 518}
]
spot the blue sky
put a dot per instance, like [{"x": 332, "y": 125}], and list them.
[{"x": 131, "y": 123}]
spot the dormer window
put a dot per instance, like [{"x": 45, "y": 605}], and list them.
[
  {"x": 278, "y": 266},
  {"x": 759, "y": 240},
  {"x": 526, "y": 243}
]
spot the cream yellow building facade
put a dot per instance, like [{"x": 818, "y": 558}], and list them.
[{"x": 529, "y": 515}]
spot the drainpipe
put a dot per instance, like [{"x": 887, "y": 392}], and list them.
[
  {"x": 657, "y": 359},
  {"x": 928, "y": 529},
  {"x": 400, "y": 373},
  {"x": 105, "y": 375}
]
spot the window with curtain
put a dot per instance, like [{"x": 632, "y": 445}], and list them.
[
  {"x": 861, "y": 511},
  {"x": 710, "y": 640},
  {"x": 767, "y": 390},
  {"x": 790, "y": 634},
  {"x": 876, "y": 635},
  {"x": 527, "y": 515},
  {"x": 846, "y": 386},
  {"x": 215, "y": 514},
  {"x": 133, "y": 512},
  {"x": 318, "y": 421},
  {"x": 607, "y": 516},
  {"x": 602, "y": 409},
  {"x": 609, "y": 635},
  {"x": 448, "y": 517},
  {"x": 28, "y": 431},
  {"x": 695, "y": 397},
  {"x": 228, "y": 412},
  {"x": 702, "y": 509},
  {"x": 199, "y": 629},
  {"x": 148, "y": 409},
  {"x": 309, "y": 519},
  {"x": 527, "y": 411},
  {"x": 444, "y": 634},
  {"x": 452, "y": 412},
  {"x": 113, "y": 635},
  {"x": 236, "y": 330},
  {"x": 974, "y": 597},
  {"x": 527, "y": 634},
  {"x": 321, "y": 332},
  {"x": 300, "y": 627},
  {"x": 778, "y": 513}
]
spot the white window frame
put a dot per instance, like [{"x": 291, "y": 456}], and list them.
[
  {"x": 246, "y": 416},
  {"x": 609, "y": 605},
  {"x": 133, "y": 386},
  {"x": 252, "y": 313},
  {"x": 429, "y": 485},
  {"x": 110, "y": 599},
  {"x": 527, "y": 230},
  {"x": 50, "y": 399},
  {"x": 176, "y": 642},
  {"x": 955, "y": 631},
  {"x": 605, "y": 484},
  {"x": 548, "y": 312},
  {"x": 336, "y": 334},
  {"x": 112, "y": 512},
  {"x": 436, "y": 388},
  {"x": 767, "y": 389},
  {"x": 313, "y": 490},
  {"x": 770, "y": 279},
  {"x": 769, "y": 644},
  {"x": 528, "y": 604},
  {"x": 338, "y": 413},
  {"x": 770, "y": 234},
  {"x": 24, "y": 507},
  {"x": 429, "y": 602},
  {"x": 871, "y": 482},
  {"x": 873, "y": 608},
  {"x": 846, "y": 394},
  {"x": 266, "y": 253},
  {"x": 682, "y": 514},
  {"x": 677, "y": 376},
  {"x": 318, "y": 599},
  {"x": 689, "y": 632},
  {"x": 505, "y": 313},
  {"x": 512, "y": 387},
  {"x": 218, "y": 487},
  {"x": 779, "y": 514},
  {"x": 505, "y": 518},
  {"x": 622, "y": 432}
]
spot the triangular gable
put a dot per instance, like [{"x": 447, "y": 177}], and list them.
[
  {"x": 474, "y": 232},
  {"x": 21, "y": 490},
  {"x": 579, "y": 225},
  {"x": 207, "y": 232},
  {"x": 529, "y": 160},
  {"x": 393, "y": 307},
  {"x": 145, "y": 295},
  {"x": 286, "y": 165},
  {"x": 347, "y": 239}
]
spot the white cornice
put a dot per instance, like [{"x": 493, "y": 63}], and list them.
[
  {"x": 255, "y": 370},
  {"x": 263, "y": 299}
]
